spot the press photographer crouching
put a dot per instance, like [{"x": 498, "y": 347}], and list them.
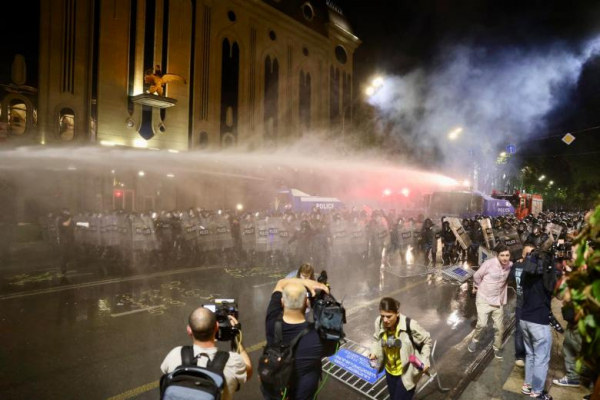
[
  {"x": 290, "y": 366},
  {"x": 202, "y": 367}
]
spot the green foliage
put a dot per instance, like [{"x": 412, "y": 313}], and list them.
[{"x": 584, "y": 287}]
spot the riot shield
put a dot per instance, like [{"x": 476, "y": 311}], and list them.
[
  {"x": 262, "y": 235},
  {"x": 274, "y": 241},
  {"x": 202, "y": 229},
  {"x": 459, "y": 232},
  {"x": 150, "y": 240},
  {"x": 286, "y": 233},
  {"x": 488, "y": 233},
  {"x": 111, "y": 230},
  {"x": 405, "y": 236},
  {"x": 223, "y": 232},
  {"x": 137, "y": 234},
  {"x": 248, "y": 235},
  {"x": 189, "y": 227},
  {"x": 416, "y": 234},
  {"x": 340, "y": 237},
  {"x": 556, "y": 231},
  {"x": 359, "y": 241},
  {"x": 513, "y": 242}
]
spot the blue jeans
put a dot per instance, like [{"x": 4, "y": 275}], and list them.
[
  {"x": 519, "y": 345},
  {"x": 397, "y": 389},
  {"x": 538, "y": 345}
]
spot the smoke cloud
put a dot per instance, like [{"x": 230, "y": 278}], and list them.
[{"x": 498, "y": 96}]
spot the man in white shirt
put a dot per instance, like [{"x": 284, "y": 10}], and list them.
[{"x": 202, "y": 328}]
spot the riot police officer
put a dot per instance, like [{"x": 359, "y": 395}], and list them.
[{"x": 66, "y": 240}]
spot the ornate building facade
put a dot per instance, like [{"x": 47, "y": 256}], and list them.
[{"x": 255, "y": 73}]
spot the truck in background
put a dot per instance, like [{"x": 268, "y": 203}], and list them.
[
  {"x": 466, "y": 204},
  {"x": 299, "y": 201},
  {"x": 524, "y": 203}
]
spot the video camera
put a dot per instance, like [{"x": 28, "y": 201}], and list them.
[
  {"x": 329, "y": 314},
  {"x": 223, "y": 308},
  {"x": 562, "y": 250}
]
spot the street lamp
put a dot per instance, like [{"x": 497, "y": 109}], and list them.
[
  {"x": 375, "y": 85},
  {"x": 453, "y": 134},
  {"x": 541, "y": 178}
]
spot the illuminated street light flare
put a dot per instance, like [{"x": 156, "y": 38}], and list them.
[
  {"x": 405, "y": 192},
  {"x": 453, "y": 134},
  {"x": 541, "y": 178},
  {"x": 387, "y": 192}
]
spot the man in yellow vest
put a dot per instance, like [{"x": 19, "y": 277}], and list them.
[{"x": 396, "y": 339}]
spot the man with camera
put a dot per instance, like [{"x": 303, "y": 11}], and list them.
[
  {"x": 538, "y": 281},
  {"x": 286, "y": 311},
  {"x": 491, "y": 280},
  {"x": 203, "y": 328}
]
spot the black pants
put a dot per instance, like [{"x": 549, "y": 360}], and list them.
[{"x": 397, "y": 389}]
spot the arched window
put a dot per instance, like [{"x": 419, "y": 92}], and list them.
[
  {"x": 17, "y": 117},
  {"x": 203, "y": 141},
  {"x": 66, "y": 124},
  {"x": 271, "y": 99},
  {"x": 228, "y": 140}
]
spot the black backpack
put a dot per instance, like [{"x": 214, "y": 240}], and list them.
[
  {"x": 418, "y": 347},
  {"x": 189, "y": 381},
  {"x": 276, "y": 364},
  {"x": 329, "y": 316}
]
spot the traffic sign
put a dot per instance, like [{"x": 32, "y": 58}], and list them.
[
  {"x": 568, "y": 138},
  {"x": 511, "y": 149}
]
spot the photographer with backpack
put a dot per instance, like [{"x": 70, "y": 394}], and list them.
[
  {"x": 290, "y": 366},
  {"x": 402, "y": 347},
  {"x": 202, "y": 367}
]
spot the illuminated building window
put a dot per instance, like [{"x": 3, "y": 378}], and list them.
[
  {"x": 17, "y": 117},
  {"x": 66, "y": 124}
]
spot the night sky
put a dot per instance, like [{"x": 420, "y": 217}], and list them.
[{"x": 401, "y": 36}]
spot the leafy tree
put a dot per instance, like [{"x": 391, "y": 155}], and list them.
[{"x": 583, "y": 287}]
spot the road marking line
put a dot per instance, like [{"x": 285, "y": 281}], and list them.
[
  {"x": 153, "y": 385},
  {"x": 265, "y": 284},
  {"x": 137, "y": 311},
  {"x": 104, "y": 282},
  {"x": 136, "y": 392}
]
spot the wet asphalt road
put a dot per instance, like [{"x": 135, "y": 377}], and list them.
[{"x": 93, "y": 338}]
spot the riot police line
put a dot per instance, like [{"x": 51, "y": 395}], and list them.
[{"x": 121, "y": 240}]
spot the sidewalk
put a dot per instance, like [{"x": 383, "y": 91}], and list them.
[{"x": 502, "y": 379}]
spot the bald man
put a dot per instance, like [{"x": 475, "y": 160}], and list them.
[
  {"x": 288, "y": 304},
  {"x": 202, "y": 328}
]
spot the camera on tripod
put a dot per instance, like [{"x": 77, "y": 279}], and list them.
[{"x": 223, "y": 308}]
